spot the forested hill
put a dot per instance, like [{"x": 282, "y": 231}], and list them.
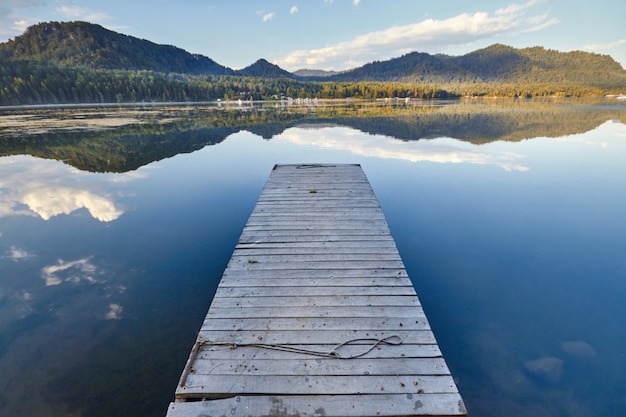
[
  {"x": 497, "y": 63},
  {"x": 90, "y": 45},
  {"x": 80, "y": 62},
  {"x": 263, "y": 68}
]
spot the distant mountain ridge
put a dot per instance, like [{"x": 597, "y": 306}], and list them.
[
  {"x": 74, "y": 62},
  {"x": 91, "y": 45},
  {"x": 496, "y": 63}
]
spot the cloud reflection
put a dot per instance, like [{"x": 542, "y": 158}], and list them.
[
  {"x": 17, "y": 254},
  {"x": 578, "y": 348},
  {"x": 115, "y": 312},
  {"x": 442, "y": 150},
  {"x": 73, "y": 271},
  {"x": 52, "y": 201},
  {"x": 29, "y": 186}
]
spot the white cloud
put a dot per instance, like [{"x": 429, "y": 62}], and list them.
[
  {"x": 80, "y": 13},
  {"x": 73, "y": 271},
  {"x": 130, "y": 176},
  {"x": 428, "y": 35},
  {"x": 540, "y": 23},
  {"x": 267, "y": 16},
  {"x": 22, "y": 25},
  {"x": 605, "y": 46},
  {"x": 356, "y": 2},
  {"x": 293, "y": 10},
  {"x": 515, "y": 9}
]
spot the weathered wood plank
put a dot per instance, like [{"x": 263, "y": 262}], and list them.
[
  {"x": 329, "y": 234},
  {"x": 384, "y": 405},
  {"x": 287, "y": 212},
  {"x": 317, "y": 301},
  {"x": 256, "y": 265},
  {"x": 244, "y": 257},
  {"x": 317, "y": 323},
  {"x": 259, "y": 280},
  {"x": 252, "y": 352},
  {"x": 308, "y": 291},
  {"x": 392, "y": 273},
  {"x": 256, "y": 238},
  {"x": 379, "y": 246},
  {"x": 226, "y": 386},
  {"x": 322, "y": 366},
  {"x": 272, "y": 312},
  {"x": 298, "y": 337}
]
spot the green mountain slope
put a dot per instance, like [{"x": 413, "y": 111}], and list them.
[
  {"x": 497, "y": 63},
  {"x": 414, "y": 67},
  {"x": 537, "y": 64},
  {"x": 262, "y": 68},
  {"x": 89, "y": 45}
]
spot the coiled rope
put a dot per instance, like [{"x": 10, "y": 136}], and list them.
[{"x": 393, "y": 340}]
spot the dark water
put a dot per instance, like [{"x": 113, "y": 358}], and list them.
[{"x": 510, "y": 217}]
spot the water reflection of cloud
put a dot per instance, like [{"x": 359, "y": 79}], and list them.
[
  {"x": 578, "y": 348},
  {"x": 598, "y": 136},
  {"x": 52, "y": 201},
  {"x": 23, "y": 295},
  {"x": 115, "y": 312},
  {"x": 546, "y": 369},
  {"x": 73, "y": 271},
  {"x": 18, "y": 254},
  {"x": 29, "y": 186},
  {"x": 442, "y": 150},
  {"x": 130, "y": 176}
]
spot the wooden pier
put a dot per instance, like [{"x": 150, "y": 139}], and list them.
[{"x": 315, "y": 314}]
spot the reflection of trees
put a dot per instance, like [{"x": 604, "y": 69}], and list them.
[
  {"x": 129, "y": 147},
  {"x": 483, "y": 124}
]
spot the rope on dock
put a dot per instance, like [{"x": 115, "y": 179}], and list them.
[{"x": 393, "y": 340}]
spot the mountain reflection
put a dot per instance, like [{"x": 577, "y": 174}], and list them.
[{"x": 165, "y": 132}]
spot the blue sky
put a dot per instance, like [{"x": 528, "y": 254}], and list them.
[{"x": 339, "y": 34}]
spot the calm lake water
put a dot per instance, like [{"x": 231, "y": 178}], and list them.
[{"x": 116, "y": 225}]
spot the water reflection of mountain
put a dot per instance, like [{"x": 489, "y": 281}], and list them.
[
  {"x": 129, "y": 147},
  {"x": 501, "y": 124}
]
